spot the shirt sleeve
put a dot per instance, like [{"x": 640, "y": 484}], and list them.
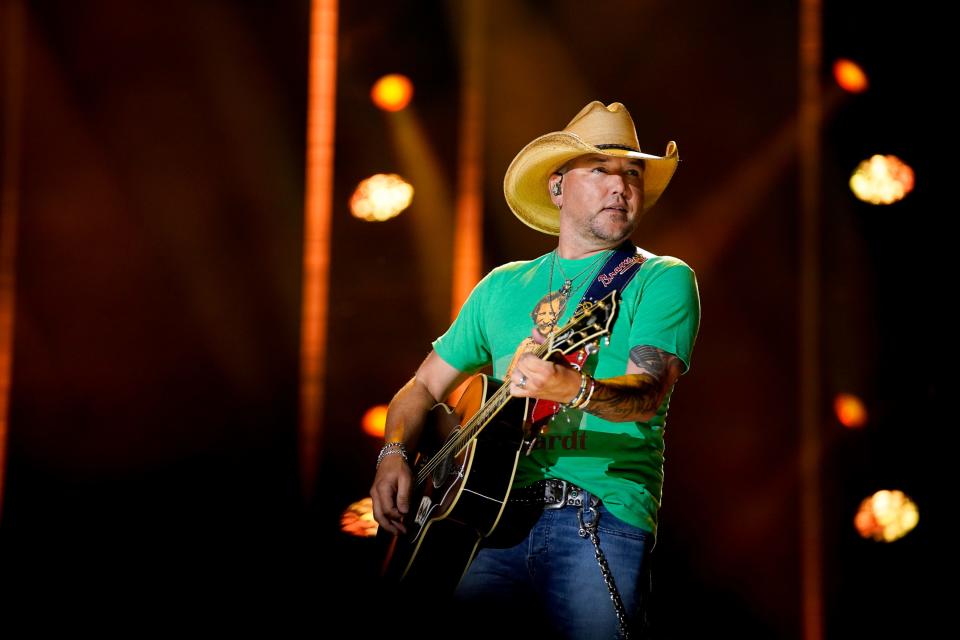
[
  {"x": 668, "y": 311},
  {"x": 465, "y": 346}
]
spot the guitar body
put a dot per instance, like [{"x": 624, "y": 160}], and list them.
[{"x": 462, "y": 499}]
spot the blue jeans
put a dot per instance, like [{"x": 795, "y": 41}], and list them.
[{"x": 551, "y": 579}]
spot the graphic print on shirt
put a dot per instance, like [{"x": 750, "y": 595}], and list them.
[{"x": 546, "y": 316}]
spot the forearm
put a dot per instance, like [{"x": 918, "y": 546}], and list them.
[
  {"x": 628, "y": 398},
  {"x": 632, "y": 397},
  {"x": 636, "y": 396},
  {"x": 406, "y": 413}
]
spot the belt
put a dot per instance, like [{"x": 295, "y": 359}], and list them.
[{"x": 552, "y": 494}]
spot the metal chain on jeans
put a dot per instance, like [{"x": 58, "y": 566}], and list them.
[{"x": 591, "y": 530}]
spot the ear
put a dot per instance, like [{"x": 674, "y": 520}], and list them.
[{"x": 555, "y": 188}]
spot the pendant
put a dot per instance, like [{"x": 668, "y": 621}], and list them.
[{"x": 565, "y": 289}]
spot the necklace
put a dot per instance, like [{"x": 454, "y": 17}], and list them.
[
  {"x": 563, "y": 295},
  {"x": 567, "y": 287}
]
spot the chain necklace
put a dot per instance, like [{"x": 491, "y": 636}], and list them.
[
  {"x": 563, "y": 295},
  {"x": 567, "y": 287}
]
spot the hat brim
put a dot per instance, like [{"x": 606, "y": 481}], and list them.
[{"x": 525, "y": 183}]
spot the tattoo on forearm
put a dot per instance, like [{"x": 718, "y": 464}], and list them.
[
  {"x": 634, "y": 395},
  {"x": 625, "y": 398}
]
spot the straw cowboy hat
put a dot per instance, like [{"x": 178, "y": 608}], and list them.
[{"x": 596, "y": 129}]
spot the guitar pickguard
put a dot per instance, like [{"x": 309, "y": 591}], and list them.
[
  {"x": 446, "y": 478},
  {"x": 426, "y": 505}
]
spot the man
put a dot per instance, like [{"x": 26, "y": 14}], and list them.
[{"x": 589, "y": 184}]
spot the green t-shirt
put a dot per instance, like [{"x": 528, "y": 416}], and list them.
[{"x": 620, "y": 462}]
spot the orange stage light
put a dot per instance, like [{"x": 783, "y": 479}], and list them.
[
  {"x": 850, "y": 76},
  {"x": 882, "y": 180},
  {"x": 381, "y": 197},
  {"x": 374, "y": 420},
  {"x": 392, "y": 92},
  {"x": 357, "y": 519},
  {"x": 318, "y": 212},
  {"x": 850, "y": 410},
  {"x": 886, "y": 516}
]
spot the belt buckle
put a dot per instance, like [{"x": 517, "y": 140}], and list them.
[{"x": 556, "y": 502}]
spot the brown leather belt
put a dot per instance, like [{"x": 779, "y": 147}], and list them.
[{"x": 552, "y": 494}]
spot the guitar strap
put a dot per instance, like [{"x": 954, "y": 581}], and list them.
[{"x": 617, "y": 272}]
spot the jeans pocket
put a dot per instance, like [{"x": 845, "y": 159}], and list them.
[{"x": 612, "y": 525}]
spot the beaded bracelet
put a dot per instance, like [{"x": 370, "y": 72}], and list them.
[
  {"x": 579, "y": 397},
  {"x": 593, "y": 384},
  {"x": 392, "y": 448}
]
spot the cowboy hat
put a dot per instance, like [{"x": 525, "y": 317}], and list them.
[{"x": 596, "y": 129}]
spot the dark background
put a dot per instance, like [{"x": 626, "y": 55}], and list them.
[{"x": 152, "y": 448}]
